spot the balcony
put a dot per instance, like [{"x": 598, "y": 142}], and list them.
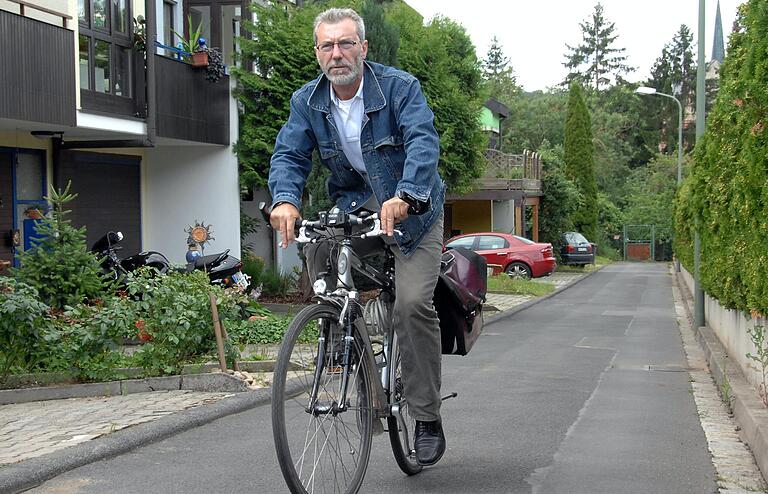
[
  {"x": 189, "y": 107},
  {"x": 511, "y": 171},
  {"x": 37, "y": 80}
]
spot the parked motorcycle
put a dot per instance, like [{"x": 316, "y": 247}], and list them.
[
  {"x": 106, "y": 249},
  {"x": 221, "y": 268}
]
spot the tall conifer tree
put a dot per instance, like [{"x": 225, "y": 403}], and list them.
[
  {"x": 596, "y": 62},
  {"x": 580, "y": 162}
]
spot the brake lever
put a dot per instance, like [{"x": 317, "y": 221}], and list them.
[{"x": 376, "y": 231}]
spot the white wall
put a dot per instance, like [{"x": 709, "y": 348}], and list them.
[
  {"x": 184, "y": 184},
  {"x": 731, "y": 327},
  {"x": 504, "y": 216}
]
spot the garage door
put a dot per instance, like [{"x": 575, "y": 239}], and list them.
[{"x": 109, "y": 195}]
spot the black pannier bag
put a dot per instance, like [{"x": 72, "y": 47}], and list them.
[{"x": 459, "y": 297}]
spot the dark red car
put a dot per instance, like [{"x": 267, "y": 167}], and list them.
[{"x": 516, "y": 256}]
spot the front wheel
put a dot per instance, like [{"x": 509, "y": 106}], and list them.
[
  {"x": 402, "y": 429},
  {"x": 323, "y": 445}
]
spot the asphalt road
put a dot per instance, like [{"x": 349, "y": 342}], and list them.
[{"x": 585, "y": 392}]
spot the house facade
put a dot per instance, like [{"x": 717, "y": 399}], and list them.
[
  {"x": 506, "y": 198},
  {"x": 144, "y": 139}
]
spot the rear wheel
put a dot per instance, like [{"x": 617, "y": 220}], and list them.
[
  {"x": 401, "y": 434},
  {"x": 321, "y": 446},
  {"x": 518, "y": 270}
]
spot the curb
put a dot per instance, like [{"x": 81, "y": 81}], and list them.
[
  {"x": 748, "y": 409},
  {"x": 203, "y": 381},
  {"x": 514, "y": 310},
  {"x": 34, "y": 471}
]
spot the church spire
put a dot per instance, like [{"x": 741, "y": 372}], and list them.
[{"x": 718, "y": 48}]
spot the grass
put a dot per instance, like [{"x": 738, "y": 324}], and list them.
[{"x": 504, "y": 284}]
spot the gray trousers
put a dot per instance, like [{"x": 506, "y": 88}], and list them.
[{"x": 416, "y": 322}]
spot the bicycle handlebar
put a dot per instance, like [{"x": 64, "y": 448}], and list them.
[{"x": 332, "y": 219}]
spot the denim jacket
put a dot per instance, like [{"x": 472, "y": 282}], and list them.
[{"x": 398, "y": 139}]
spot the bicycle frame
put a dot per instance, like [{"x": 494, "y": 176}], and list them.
[{"x": 346, "y": 297}]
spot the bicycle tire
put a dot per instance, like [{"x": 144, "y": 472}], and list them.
[
  {"x": 319, "y": 451},
  {"x": 402, "y": 444}
]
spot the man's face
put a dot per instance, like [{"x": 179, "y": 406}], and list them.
[{"x": 342, "y": 64}]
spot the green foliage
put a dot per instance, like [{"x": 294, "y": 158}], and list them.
[
  {"x": 60, "y": 266},
  {"x": 673, "y": 73},
  {"x": 277, "y": 283},
  {"x": 580, "y": 162},
  {"x": 284, "y": 58},
  {"x": 267, "y": 329},
  {"x": 560, "y": 199},
  {"x": 729, "y": 182},
  {"x": 499, "y": 76},
  {"x": 191, "y": 44},
  {"x": 25, "y": 329},
  {"x": 176, "y": 314},
  {"x": 253, "y": 266},
  {"x": 595, "y": 62},
  {"x": 650, "y": 196},
  {"x": 535, "y": 118},
  {"x": 757, "y": 335},
  {"x": 442, "y": 57},
  {"x": 383, "y": 35}
]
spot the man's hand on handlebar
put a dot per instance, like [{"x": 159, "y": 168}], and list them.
[
  {"x": 392, "y": 211},
  {"x": 283, "y": 219}
]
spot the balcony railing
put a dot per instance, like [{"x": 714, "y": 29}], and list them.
[
  {"x": 511, "y": 171},
  {"x": 38, "y": 70},
  {"x": 23, "y": 6}
]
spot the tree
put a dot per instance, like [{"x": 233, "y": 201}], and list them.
[
  {"x": 535, "y": 118},
  {"x": 674, "y": 72},
  {"x": 560, "y": 197},
  {"x": 580, "y": 162},
  {"x": 383, "y": 36},
  {"x": 59, "y": 265},
  {"x": 283, "y": 56},
  {"x": 442, "y": 56},
  {"x": 499, "y": 76},
  {"x": 595, "y": 62}
]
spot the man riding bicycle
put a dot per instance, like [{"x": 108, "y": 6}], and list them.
[{"x": 373, "y": 129}]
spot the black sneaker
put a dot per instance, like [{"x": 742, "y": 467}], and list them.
[{"x": 430, "y": 442}]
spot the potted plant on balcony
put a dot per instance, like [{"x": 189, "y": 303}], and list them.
[{"x": 192, "y": 45}]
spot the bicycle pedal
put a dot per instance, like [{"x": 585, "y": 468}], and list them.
[{"x": 448, "y": 396}]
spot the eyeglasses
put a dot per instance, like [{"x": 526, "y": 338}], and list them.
[{"x": 344, "y": 45}]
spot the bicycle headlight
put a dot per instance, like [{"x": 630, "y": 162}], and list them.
[
  {"x": 319, "y": 286},
  {"x": 342, "y": 263}
]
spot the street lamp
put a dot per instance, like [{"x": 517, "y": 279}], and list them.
[{"x": 650, "y": 90}]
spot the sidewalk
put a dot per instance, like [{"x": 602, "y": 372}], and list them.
[{"x": 41, "y": 439}]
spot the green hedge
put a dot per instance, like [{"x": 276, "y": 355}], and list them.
[{"x": 728, "y": 189}]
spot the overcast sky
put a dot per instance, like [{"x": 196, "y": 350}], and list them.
[{"x": 533, "y": 33}]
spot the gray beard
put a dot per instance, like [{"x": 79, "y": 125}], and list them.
[{"x": 346, "y": 79}]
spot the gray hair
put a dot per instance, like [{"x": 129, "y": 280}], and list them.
[{"x": 333, "y": 16}]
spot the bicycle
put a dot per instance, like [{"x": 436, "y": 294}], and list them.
[{"x": 338, "y": 372}]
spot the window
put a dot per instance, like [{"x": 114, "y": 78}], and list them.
[
  {"x": 488, "y": 242},
  {"x": 169, "y": 21},
  {"x": 465, "y": 242},
  {"x": 105, "y": 48},
  {"x": 524, "y": 240}
]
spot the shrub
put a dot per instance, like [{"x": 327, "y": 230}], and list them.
[
  {"x": 276, "y": 283},
  {"x": 253, "y": 266},
  {"x": 60, "y": 266},
  {"x": 25, "y": 329},
  {"x": 176, "y": 315}
]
